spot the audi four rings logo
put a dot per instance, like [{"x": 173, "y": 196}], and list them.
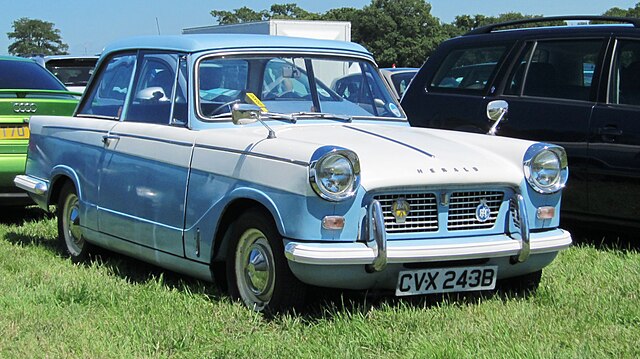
[{"x": 25, "y": 107}]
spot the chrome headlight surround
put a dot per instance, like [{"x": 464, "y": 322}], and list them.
[
  {"x": 545, "y": 167},
  {"x": 334, "y": 173}
]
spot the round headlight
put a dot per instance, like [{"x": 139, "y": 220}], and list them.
[
  {"x": 546, "y": 170},
  {"x": 335, "y": 175}
]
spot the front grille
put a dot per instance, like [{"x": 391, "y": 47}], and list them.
[
  {"x": 422, "y": 217},
  {"x": 463, "y": 206}
]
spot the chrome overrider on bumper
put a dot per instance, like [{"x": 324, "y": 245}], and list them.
[
  {"x": 31, "y": 184},
  {"x": 377, "y": 252}
]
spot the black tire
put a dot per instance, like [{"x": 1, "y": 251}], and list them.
[
  {"x": 524, "y": 284},
  {"x": 70, "y": 237},
  {"x": 257, "y": 272}
]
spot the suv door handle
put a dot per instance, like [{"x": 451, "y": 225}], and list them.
[{"x": 609, "y": 133}]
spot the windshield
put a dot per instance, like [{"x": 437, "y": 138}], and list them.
[{"x": 281, "y": 84}]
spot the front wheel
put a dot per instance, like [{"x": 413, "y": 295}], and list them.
[
  {"x": 257, "y": 271},
  {"x": 69, "y": 232}
]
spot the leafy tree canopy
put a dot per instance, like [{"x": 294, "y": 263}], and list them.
[
  {"x": 400, "y": 32},
  {"x": 33, "y": 36}
]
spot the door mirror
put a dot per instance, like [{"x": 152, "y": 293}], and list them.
[
  {"x": 244, "y": 114},
  {"x": 496, "y": 112}
]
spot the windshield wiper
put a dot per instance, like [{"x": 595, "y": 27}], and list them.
[{"x": 322, "y": 115}]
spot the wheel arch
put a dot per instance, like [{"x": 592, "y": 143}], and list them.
[
  {"x": 231, "y": 212},
  {"x": 59, "y": 176}
]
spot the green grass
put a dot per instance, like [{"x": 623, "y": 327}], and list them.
[{"x": 588, "y": 305}]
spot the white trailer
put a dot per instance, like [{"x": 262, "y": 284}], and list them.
[{"x": 326, "y": 30}]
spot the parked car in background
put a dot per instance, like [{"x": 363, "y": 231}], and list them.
[
  {"x": 576, "y": 86},
  {"x": 26, "y": 89},
  {"x": 73, "y": 71},
  {"x": 230, "y": 157},
  {"x": 398, "y": 78}
]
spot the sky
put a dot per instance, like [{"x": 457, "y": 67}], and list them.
[{"x": 88, "y": 26}]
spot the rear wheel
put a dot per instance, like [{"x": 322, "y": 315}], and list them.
[
  {"x": 69, "y": 232},
  {"x": 257, "y": 271}
]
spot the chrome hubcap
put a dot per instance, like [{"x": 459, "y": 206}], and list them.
[
  {"x": 71, "y": 223},
  {"x": 254, "y": 269}
]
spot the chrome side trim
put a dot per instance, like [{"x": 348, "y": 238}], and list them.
[
  {"x": 377, "y": 236},
  {"x": 525, "y": 240},
  {"x": 31, "y": 184},
  {"x": 406, "y": 251}
]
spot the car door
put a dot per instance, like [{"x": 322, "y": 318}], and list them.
[
  {"x": 144, "y": 175},
  {"x": 551, "y": 94},
  {"x": 614, "y": 142},
  {"x": 98, "y": 113}
]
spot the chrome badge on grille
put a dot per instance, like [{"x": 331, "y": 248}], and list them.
[
  {"x": 400, "y": 209},
  {"x": 483, "y": 212}
]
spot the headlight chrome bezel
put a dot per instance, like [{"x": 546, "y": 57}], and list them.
[
  {"x": 533, "y": 154},
  {"x": 319, "y": 158}
]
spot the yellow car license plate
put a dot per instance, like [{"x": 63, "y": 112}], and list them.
[{"x": 14, "y": 132}]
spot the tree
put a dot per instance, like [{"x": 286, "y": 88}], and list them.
[
  {"x": 630, "y": 12},
  {"x": 243, "y": 14},
  {"x": 33, "y": 36}
]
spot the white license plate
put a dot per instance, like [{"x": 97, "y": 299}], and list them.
[{"x": 444, "y": 280}]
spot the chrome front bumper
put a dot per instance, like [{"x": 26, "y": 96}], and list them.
[{"x": 377, "y": 252}]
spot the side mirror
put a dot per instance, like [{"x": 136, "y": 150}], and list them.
[
  {"x": 155, "y": 93},
  {"x": 496, "y": 111},
  {"x": 244, "y": 114}
]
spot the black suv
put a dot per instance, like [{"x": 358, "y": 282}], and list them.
[{"x": 577, "y": 86}]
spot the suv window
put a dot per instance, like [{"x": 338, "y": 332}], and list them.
[
  {"x": 558, "y": 69},
  {"x": 107, "y": 96},
  {"x": 625, "y": 79},
  {"x": 468, "y": 69}
]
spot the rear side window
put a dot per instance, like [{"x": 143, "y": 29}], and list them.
[
  {"x": 468, "y": 69},
  {"x": 625, "y": 79},
  {"x": 110, "y": 89},
  {"x": 556, "y": 69}
]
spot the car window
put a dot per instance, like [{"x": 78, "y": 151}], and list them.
[
  {"x": 468, "y": 69},
  {"x": 72, "y": 72},
  {"x": 26, "y": 75},
  {"x": 401, "y": 81},
  {"x": 557, "y": 69},
  {"x": 108, "y": 94},
  {"x": 154, "y": 89},
  {"x": 625, "y": 79}
]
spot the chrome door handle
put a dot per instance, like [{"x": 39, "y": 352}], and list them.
[{"x": 107, "y": 138}]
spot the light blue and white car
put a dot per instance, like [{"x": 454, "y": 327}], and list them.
[{"x": 230, "y": 158}]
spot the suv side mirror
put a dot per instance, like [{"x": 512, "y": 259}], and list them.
[{"x": 496, "y": 112}]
